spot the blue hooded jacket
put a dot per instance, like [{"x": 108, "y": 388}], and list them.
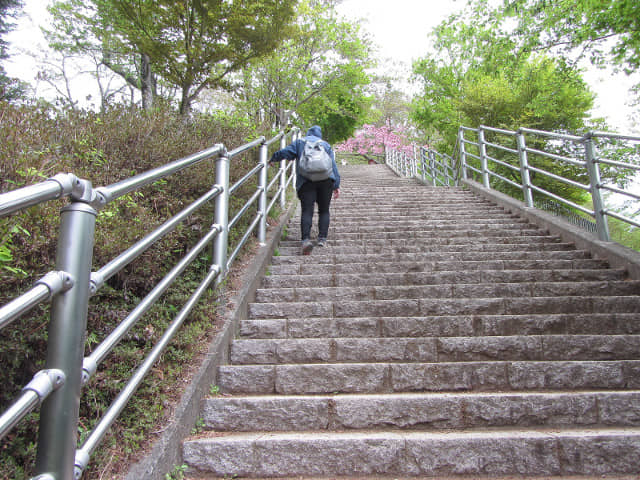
[{"x": 294, "y": 152}]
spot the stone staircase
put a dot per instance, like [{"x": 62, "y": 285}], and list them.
[{"x": 436, "y": 335}]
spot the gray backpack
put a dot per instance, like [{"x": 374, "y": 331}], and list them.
[{"x": 315, "y": 163}]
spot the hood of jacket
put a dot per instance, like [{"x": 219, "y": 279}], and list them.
[{"x": 315, "y": 131}]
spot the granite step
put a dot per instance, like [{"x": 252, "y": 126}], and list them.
[
  {"x": 442, "y": 277},
  {"x": 445, "y": 326},
  {"x": 475, "y": 376},
  {"x": 422, "y": 412},
  {"x": 432, "y": 349},
  {"x": 403, "y": 264},
  {"x": 447, "y": 291},
  {"x": 525, "y": 453},
  {"x": 437, "y": 307}
]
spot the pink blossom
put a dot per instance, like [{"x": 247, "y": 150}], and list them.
[{"x": 372, "y": 139}]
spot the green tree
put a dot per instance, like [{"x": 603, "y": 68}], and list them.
[
  {"x": 319, "y": 73},
  {"x": 95, "y": 29},
  {"x": 479, "y": 76},
  {"x": 10, "y": 88},
  {"x": 190, "y": 44},
  {"x": 607, "y": 30}
]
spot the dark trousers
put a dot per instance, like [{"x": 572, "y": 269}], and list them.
[{"x": 309, "y": 194}]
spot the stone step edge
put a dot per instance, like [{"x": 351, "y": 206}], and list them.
[
  {"x": 529, "y": 452},
  {"x": 421, "y": 411}
]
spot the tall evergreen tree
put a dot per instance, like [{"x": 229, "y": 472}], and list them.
[{"x": 10, "y": 88}]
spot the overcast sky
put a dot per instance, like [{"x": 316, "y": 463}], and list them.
[{"x": 400, "y": 30}]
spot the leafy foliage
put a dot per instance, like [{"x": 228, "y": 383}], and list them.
[
  {"x": 10, "y": 88},
  {"x": 603, "y": 29},
  {"x": 191, "y": 45},
  {"x": 479, "y": 76},
  {"x": 319, "y": 73},
  {"x": 105, "y": 148}
]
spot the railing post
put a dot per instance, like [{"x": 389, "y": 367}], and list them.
[
  {"x": 262, "y": 202},
  {"x": 57, "y": 437},
  {"x": 483, "y": 158},
  {"x": 524, "y": 169},
  {"x": 432, "y": 168},
  {"x": 596, "y": 195},
  {"x": 222, "y": 216},
  {"x": 463, "y": 153}
]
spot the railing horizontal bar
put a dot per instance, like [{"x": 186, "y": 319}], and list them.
[
  {"x": 469, "y": 129},
  {"x": 577, "y": 163},
  {"x": 274, "y": 180},
  {"x": 245, "y": 147},
  {"x": 472, "y": 168},
  {"x": 505, "y": 179},
  {"x": 44, "y": 289},
  {"x": 127, "y": 392},
  {"x": 40, "y": 387},
  {"x": 470, "y": 142},
  {"x": 116, "y": 190},
  {"x": 51, "y": 189},
  {"x": 559, "y": 178},
  {"x": 125, "y": 258},
  {"x": 617, "y": 136},
  {"x": 630, "y": 166},
  {"x": 246, "y": 206},
  {"x": 562, "y": 200},
  {"x": 103, "y": 349},
  {"x": 25, "y": 302},
  {"x": 620, "y": 191},
  {"x": 272, "y": 202},
  {"x": 289, "y": 181},
  {"x": 504, "y": 164},
  {"x": 274, "y": 139},
  {"x": 244, "y": 239},
  {"x": 244, "y": 179},
  {"x": 562, "y": 136},
  {"x": 498, "y": 130},
  {"x": 501, "y": 147},
  {"x": 622, "y": 218},
  {"x": 473, "y": 155},
  {"x": 25, "y": 404}
]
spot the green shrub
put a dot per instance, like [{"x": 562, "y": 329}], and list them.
[{"x": 105, "y": 148}]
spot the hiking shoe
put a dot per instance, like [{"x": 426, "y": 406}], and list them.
[
  {"x": 321, "y": 242},
  {"x": 307, "y": 246}
]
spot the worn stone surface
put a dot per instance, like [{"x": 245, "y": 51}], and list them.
[{"x": 436, "y": 335}]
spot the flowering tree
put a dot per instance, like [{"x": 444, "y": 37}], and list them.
[{"x": 372, "y": 140}]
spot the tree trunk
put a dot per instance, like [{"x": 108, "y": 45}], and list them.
[{"x": 146, "y": 82}]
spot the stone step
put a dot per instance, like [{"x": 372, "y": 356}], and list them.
[
  {"x": 325, "y": 256},
  {"x": 427, "y": 241},
  {"x": 404, "y": 264},
  {"x": 446, "y": 291},
  {"x": 445, "y": 326},
  {"x": 538, "y": 452},
  {"x": 442, "y": 277},
  {"x": 438, "y": 307},
  {"x": 398, "y": 223},
  {"x": 371, "y": 248},
  {"x": 463, "y": 230},
  {"x": 488, "y": 376},
  {"x": 434, "y": 350},
  {"x": 423, "y": 412},
  {"x": 450, "y": 244}
]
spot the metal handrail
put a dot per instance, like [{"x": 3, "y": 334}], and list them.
[
  {"x": 590, "y": 162},
  {"x": 69, "y": 287}
]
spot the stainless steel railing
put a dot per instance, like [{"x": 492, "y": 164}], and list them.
[
  {"x": 520, "y": 165},
  {"x": 57, "y": 388}
]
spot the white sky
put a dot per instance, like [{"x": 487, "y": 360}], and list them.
[{"x": 400, "y": 30}]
